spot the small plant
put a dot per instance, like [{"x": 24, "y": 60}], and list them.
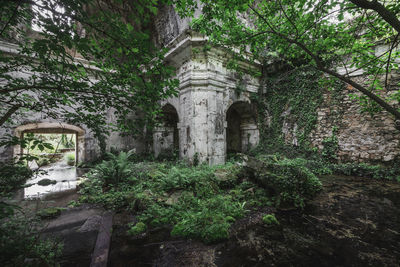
[
  {"x": 115, "y": 170},
  {"x": 13, "y": 177},
  {"x": 70, "y": 158},
  {"x": 137, "y": 229},
  {"x": 73, "y": 203},
  {"x": 270, "y": 219},
  {"x": 196, "y": 159},
  {"x": 49, "y": 213}
]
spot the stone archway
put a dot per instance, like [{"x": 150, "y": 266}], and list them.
[
  {"x": 54, "y": 128},
  {"x": 166, "y": 135},
  {"x": 242, "y": 131}
]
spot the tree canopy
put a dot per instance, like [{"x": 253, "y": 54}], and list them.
[
  {"x": 337, "y": 37},
  {"x": 75, "y": 59}
]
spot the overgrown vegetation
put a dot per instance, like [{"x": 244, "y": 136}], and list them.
[
  {"x": 21, "y": 245},
  {"x": 20, "y": 240},
  {"x": 292, "y": 98},
  {"x": 290, "y": 180},
  {"x": 270, "y": 219},
  {"x": 199, "y": 202}
]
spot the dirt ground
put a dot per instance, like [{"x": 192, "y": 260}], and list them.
[{"x": 352, "y": 222}]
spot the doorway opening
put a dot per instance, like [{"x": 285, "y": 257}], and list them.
[
  {"x": 166, "y": 135},
  {"x": 242, "y": 131}
]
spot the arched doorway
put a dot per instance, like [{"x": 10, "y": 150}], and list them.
[
  {"x": 242, "y": 132},
  {"x": 166, "y": 135},
  {"x": 54, "y": 128}
]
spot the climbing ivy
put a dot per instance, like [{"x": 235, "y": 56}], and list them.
[
  {"x": 331, "y": 146},
  {"x": 295, "y": 96}
]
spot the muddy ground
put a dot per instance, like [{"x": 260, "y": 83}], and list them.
[{"x": 352, "y": 222}]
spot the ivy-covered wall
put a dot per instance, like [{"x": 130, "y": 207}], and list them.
[{"x": 302, "y": 110}]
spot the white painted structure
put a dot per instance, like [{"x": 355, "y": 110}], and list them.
[{"x": 207, "y": 93}]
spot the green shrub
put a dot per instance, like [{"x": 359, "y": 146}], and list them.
[
  {"x": 198, "y": 202},
  {"x": 270, "y": 219},
  {"x": 366, "y": 170},
  {"x": 137, "y": 229},
  {"x": 289, "y": 180},
  {"x": 70, "y": 158},
  {"x": 49, "y": 213},
  {"x": 13, "y": 177},
  {"x": 20, "y": 240},
  {"x": 190, "y": 199},
  {"x": 115, "y": 170}
]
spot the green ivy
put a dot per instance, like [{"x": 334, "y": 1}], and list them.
[
  {"x": 331, "y": 147},
  {"x": 298, "y": 94}
]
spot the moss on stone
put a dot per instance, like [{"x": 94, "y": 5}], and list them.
[
  {"x": 49, "y": 213},
  {"x": 46, "y": 181}
]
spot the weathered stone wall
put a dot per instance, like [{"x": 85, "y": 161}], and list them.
[
  {"x": 207, "y": 90},
  {"x": 361, "y": 137}
]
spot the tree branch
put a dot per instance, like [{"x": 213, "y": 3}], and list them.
[
  {"x": 321, "y": 66},
  {"x": 8, "y": 114},
  {"x": 386, "y": 14}
]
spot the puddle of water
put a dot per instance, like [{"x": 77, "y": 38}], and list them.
[{"x": 66, "y": 177}]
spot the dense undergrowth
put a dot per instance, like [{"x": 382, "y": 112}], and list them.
[
  {"x": 20, "y": 237},
  {"x": 199, "y": 202},
  {"x": 202, "y": 202}
]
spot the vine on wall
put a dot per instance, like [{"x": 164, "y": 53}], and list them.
[{"x": 294, "y": 97}]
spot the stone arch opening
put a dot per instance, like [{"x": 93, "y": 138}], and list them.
[
  {"x": 54, "y": 128},
  {"x": 166, "y": 135},
  {"x": 242, "y": 131}
]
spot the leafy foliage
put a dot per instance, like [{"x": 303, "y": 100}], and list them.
[
  {"x": 114, "y": 170},
  {"x": 70, "y": 158},
  {"x": 197, "y": 202},
  {"x": 137, "y": 229},
  {"x": 270, "y": 219},
  {"x": 331, "y": 147},
  {"x": 291, "y": 181},
  {"x": 85, "y": 58},
  {"x": 20, "y": 240},
  {"x": 326, "y": 35},
  {"x": 366, "y": 170},
  {"x": 12, "y": 177}
]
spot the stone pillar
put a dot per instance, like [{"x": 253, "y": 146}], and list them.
[
  {"x": 218, "y": 124},
  {"x": 200, "y": 125},
  {"x": 80, "y": 148}
]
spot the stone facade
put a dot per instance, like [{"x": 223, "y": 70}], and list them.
[
  {"x": 210, "y": 118},
  {"x": 361, "y": 137},
  {"x": 195, "y": 122},
  {"x": 206, "y": 93}
]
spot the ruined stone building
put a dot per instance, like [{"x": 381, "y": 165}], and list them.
[
  {"x": 210, "y": 118},
  {"x": 206, "y": 120}
]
